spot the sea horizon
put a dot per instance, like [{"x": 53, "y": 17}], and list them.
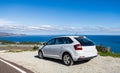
[{"x": 112, "y": 41}]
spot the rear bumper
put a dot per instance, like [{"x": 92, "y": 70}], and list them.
[{"x": 86, "y": 58}]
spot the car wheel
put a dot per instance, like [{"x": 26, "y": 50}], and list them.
[
  {"x": 67, "y": 59},
  {"x": 40, "y": 54}
]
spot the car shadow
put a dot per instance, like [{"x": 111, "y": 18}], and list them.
[
  {"x": 60, "y": 62},
  {"x": 80, "y": 62},
  {"x": 51, "y": 59}
]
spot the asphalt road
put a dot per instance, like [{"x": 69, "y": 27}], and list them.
[{"x": 9, "y": 67}]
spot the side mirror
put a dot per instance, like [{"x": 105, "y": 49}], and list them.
[{"x": 44, "y": 43}]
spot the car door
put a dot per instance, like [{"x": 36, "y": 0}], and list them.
[
  {"x": 59, "y": 44},
  {"x": 48, "y": 48}
]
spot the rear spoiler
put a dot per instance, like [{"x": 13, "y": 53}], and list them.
[{"x": 82, "y": 36}]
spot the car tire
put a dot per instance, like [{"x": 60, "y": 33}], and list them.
[
  {"x": 67, "y": 59},
  {"x": 40, "y": 54}
]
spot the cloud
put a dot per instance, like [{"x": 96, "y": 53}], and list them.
[
  {"x": 4, "y": 21},
  {"x": 11, "y": 26}
]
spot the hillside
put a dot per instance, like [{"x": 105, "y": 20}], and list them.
[{"x": 9, "y": 34}]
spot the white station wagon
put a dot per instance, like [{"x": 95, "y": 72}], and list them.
[{"x": 68, "y": 49}]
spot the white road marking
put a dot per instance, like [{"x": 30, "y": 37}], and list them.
[{"x": 22, "y": 71}]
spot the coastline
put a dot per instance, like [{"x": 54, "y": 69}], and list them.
[{"x": 111, "y": 41}]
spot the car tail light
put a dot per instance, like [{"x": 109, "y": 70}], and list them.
[{"x": 77, "y": 47}]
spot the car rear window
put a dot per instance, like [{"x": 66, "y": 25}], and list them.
[{"x": 84, "y": 41}]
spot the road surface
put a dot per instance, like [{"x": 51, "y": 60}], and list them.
[{"x": 9, "y": 67}]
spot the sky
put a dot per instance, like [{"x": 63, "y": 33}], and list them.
[{"x": 46, "y": 17}]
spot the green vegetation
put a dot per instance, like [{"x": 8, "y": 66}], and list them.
[
  {"x": 7, "y": 42},
  {"x": 3, "y": 42},
  {"x": 15, "y": 50},
  {"x": 21, "y": 50},
  {"x": 103, "y": 51},
  {"x": 35, "y": 48},
  {"x": 109, "y": 54},
  {"x": 38, "y": 43},
  {"x": 101, "y": 48}
]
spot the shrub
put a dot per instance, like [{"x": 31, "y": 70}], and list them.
[
  {"x": 14, "y": 50},
  {"x": 35, "y": 48},
  {"x": 29, "y": 43},
  {"x": 6, "y": 42},
  {"x": 103, "y": 51},
  {"x": 101, "y": 48}
]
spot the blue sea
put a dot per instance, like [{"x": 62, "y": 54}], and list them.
[{"x": 112, "y": 41}]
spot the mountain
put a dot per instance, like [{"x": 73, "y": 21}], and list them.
[{"x": 9, "y": 34}]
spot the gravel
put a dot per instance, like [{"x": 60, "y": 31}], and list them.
[
  {"x": 16, "y": 47},
  {"x": 30, "y": 61}
]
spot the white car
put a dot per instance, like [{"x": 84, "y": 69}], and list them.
[{"x": 68, "y": 49}]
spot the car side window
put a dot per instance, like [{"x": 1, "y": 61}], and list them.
[
  {"x": 63, "y": 40},
  {"x": 59, "y": 41},
  {"x": 51, "y": 42}
]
